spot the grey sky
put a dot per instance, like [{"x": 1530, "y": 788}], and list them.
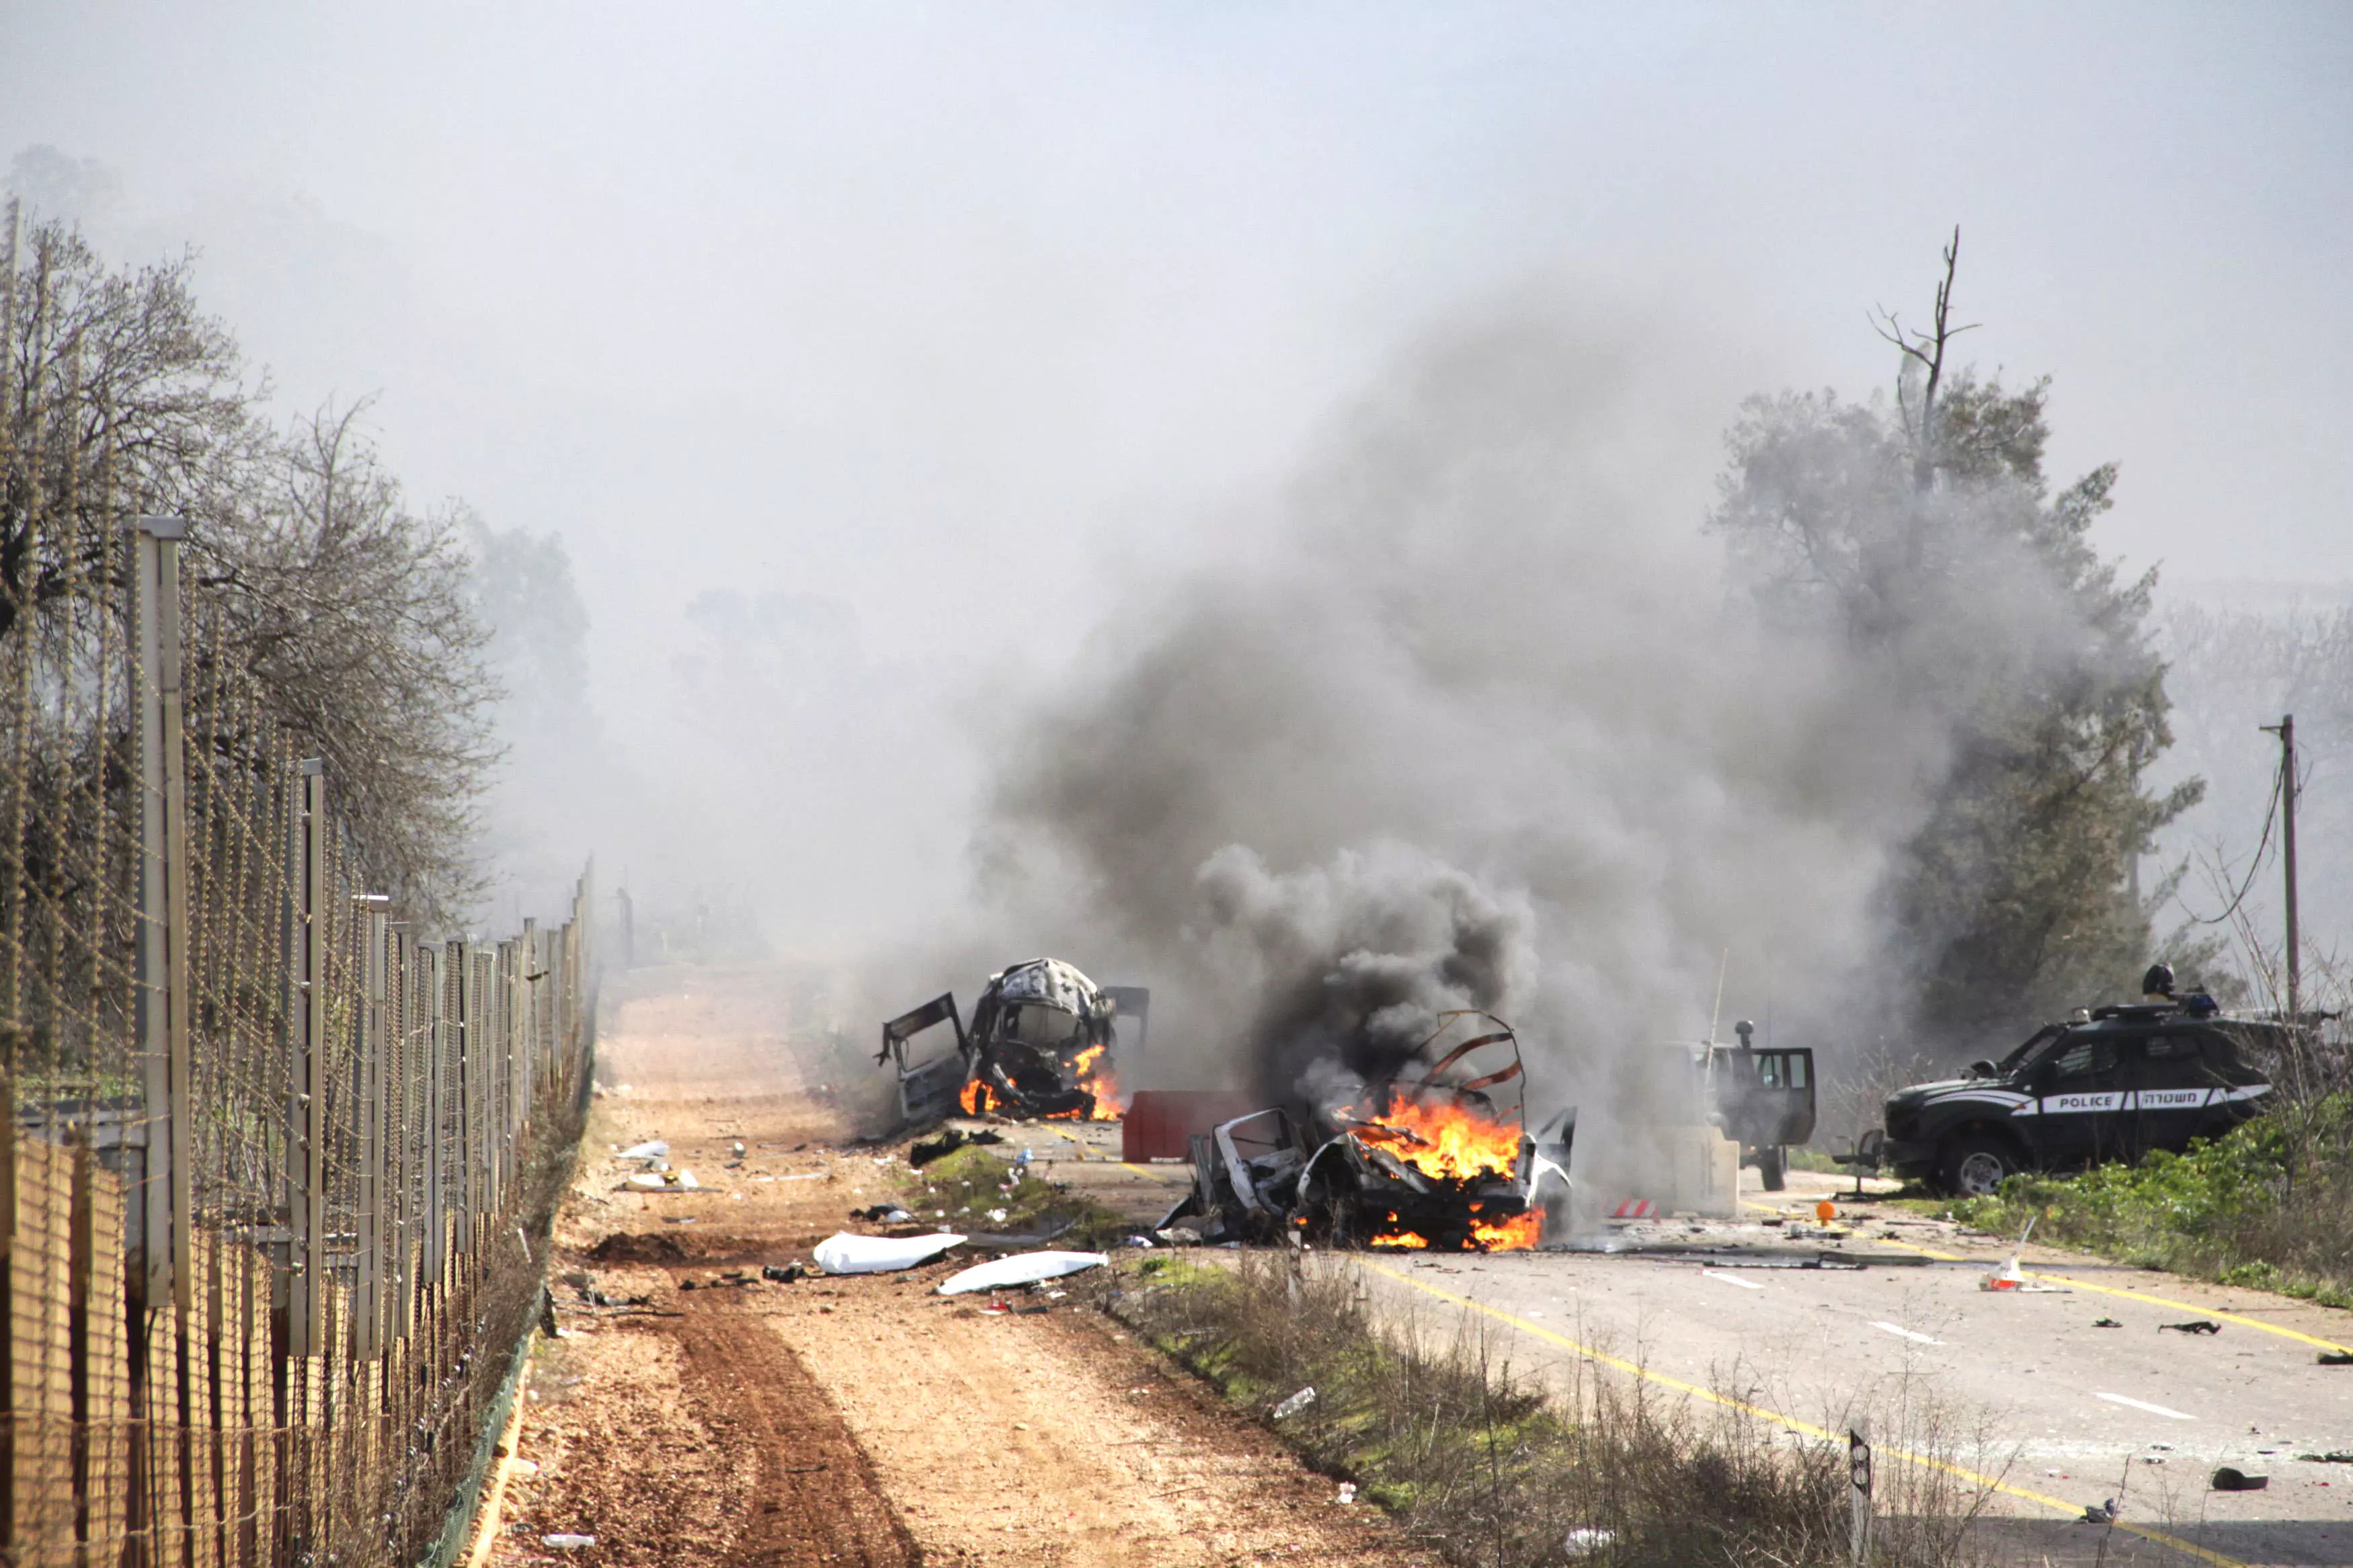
[{"x": 872, "y": 303}]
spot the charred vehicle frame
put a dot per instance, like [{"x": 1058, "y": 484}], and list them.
[
  {"x": 1043, "y": 1042},
  {"x": 1427, "y": 1161}
]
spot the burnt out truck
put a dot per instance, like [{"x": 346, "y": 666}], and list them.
[
  {"x": 1043, "y": 1042},
  {"x": 1437, "y": 1155}
]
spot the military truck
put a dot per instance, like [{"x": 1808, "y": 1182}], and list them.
[{"x": 1762, "y": 1097}]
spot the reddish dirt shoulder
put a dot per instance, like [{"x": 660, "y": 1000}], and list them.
[{"x": 730, "y": 1419}]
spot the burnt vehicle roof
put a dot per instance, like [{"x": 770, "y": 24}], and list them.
[{"x": 1049, "y": 982}]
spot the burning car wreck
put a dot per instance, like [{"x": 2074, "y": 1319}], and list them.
[
  {"x": 1043, "y": 1043},
  {"x": 1427, "y": 1157}
]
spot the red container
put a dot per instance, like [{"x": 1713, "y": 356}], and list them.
[{"x": 1159, "y": 1123}]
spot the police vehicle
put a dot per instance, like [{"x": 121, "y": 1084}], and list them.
[{"x": 2112, "y": 1085}]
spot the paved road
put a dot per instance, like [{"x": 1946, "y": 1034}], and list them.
[
  {"x": 2020, "y": 1387},
  {"x": 2023, "y": 1388}
]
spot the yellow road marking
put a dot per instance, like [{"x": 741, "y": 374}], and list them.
[
  {"x": 1926, "y": 1461},
  {"x": 1155, "y": 1175},
  {"x": 2074, "y": 1283}
]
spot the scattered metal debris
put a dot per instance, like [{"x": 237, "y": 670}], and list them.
[
  {"x": 1022, "y": 1269},
  {"x": 1295, "y": 1404},
  {"x": 948, "y": 1143},
  {"x": 843, "y": 1253},
  {"x": 2230, "y": 1479},
  {"x": 2198, "y": 1326}
]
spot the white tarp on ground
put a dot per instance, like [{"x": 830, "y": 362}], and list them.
[
  {"x": 842, "y": 1253},
  {"x": 1021, "y": 1269}
]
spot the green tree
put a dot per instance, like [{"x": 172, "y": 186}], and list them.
[{"x": 1926, "y": 538}]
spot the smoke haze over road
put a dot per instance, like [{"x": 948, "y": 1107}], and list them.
[{"x": 951, "y": 417}]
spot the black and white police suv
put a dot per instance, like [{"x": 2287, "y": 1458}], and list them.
[{"x": 2114, "y": 1086}]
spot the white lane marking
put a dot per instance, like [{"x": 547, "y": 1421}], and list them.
[
  {"x": 2144, "y": 1404},
  {"x": 1905, "y": 1333},
  {"x": 1733, "y": 1280}
]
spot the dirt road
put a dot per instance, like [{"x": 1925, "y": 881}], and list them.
[{"x": 730, "y": 1419}]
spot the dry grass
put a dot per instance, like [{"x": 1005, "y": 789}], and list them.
[{"x": 1493, "y": 1469}]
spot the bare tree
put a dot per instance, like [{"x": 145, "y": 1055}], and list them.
[
  {"x": 314, "y": 589},
  {"x": 1925, "y": 351},
  {"x": 351, "y": 612}
]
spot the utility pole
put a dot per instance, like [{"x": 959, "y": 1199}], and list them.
[{"x": 2285, "y": 731}]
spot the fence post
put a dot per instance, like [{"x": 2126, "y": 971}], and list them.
[
  {"x": 162, "y": 991},
  {"x": 436, "y": 1046},
  {"x": 367, "y": 1306},
  {"x": 467, "y": 1200},
  {"x": 307, "y": 1107}
]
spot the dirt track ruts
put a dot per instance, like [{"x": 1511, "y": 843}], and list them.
[{"x": 864, "y": 1420}]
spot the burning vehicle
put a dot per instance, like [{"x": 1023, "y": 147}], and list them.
[
  {"x": 1042, "y": 1044},
  {"x": 1427, "y": 1157}
]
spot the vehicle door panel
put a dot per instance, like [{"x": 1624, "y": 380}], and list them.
[
  {"x": 2081, "y": 1095},
  {"x": 2174, "y": 1090}
]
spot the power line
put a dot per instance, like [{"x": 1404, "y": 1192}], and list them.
[{"x": 2271, "y": 814}]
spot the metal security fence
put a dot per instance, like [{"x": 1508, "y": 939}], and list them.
[{"x": 278, "y": 1170}]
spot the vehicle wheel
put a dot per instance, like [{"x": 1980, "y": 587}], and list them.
[
  {"x": 1976, "y": 1165},
  {"x": 1773, "y": 1168}
]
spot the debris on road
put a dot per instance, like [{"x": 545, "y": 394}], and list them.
[
  {"x": 1022, "y": 1269},
  {"x": 2106, "y": 1513},
  {"x": 2198, "y": 1326},
  {"x": 2331, "y": 1458},
  {"x": 948, "y": 1143},
  {"x": 566, "y": 1543},
  {"x": 1015, "y": 1240},
  {"x": 652, "y": 1149},
  {"x": 2337, "y": 1358},
  {"x": 783, "y": 1274},
  {"x": 843, "y": 1253},
  {"x": 2230, "y": 1479},
  {"x": 884, "y": 1214},
  {"x": 2106, "y": 1323},
  {"x": 1295, "y": 1404}
]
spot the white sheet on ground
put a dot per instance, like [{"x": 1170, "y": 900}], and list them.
[
  {"x": 842, "y": 1253},
  {"x": 1020, "y": 1269}
]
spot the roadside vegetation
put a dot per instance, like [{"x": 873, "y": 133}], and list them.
[
  {"x": 975, "y": 1188},
  {"x": 1489, "y": 1468},
  {"x": 2269, "y": 1206}
]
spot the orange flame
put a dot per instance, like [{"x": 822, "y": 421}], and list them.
[
  {"x": 1100, "y": 1082},
  {"x": 978, "y": 1098},
  {"x": 1450, "y": 1141},
  {"x": 1405, "y": 1240},
  {"x": 1517, "y": 1234}
]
